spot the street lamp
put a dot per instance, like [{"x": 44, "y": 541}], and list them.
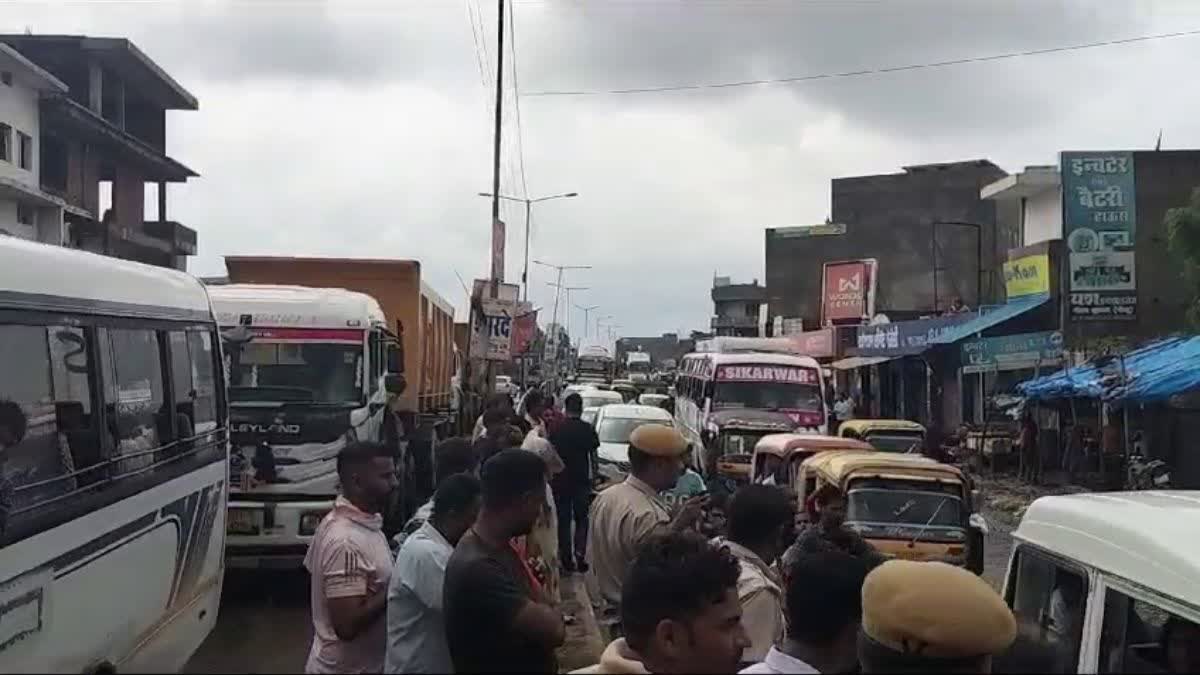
[
  {"x": 528, "y": 209},
  {"x": 586, "y": 313}
]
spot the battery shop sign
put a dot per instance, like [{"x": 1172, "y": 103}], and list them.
[
  {"x": 786, "y": 374},
  {"x": 1100, "y": 222}
]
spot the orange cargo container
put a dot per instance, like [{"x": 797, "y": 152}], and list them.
[{"x": 423, "y": 319}]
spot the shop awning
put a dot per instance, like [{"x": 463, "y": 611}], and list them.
[
  {"x": 1156, "y": 371},
  {"x": 988, "y": 318},
  {"x": 852, "y": 362}
]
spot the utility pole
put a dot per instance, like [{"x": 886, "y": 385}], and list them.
[
  {"x": 567, "y": 301},
  {"x": 528, "y": 215},
  {"x": 494, "y": 289}
]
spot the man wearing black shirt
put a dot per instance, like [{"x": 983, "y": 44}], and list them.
[
  {"x": 498, "y": 619},
  {"x": 576, "y": 443}
]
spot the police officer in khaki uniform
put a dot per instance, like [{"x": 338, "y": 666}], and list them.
[
  {"x": 930, "y": 617},
  {"x": 628, "y": 513}
]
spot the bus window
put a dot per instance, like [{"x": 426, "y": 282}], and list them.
[
  {"x": 135, "y": 396},
  {"x": 41, "y": 409},
  {"x": 204, "y": 364}
]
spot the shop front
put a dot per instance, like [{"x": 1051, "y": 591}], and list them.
[{"x": 992, "y": 367}]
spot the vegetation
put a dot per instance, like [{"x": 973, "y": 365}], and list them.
[{"x": 1183, "y": 240}]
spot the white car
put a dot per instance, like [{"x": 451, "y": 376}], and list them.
[
  {"x": 614, "y": 423},
  {"x": 589, "y": 415},
  {"x": 505, "y": 385},
  {"x": 598, "y": 398},
  {"x": 652, "y": 399}
]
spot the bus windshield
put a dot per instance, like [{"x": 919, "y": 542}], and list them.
[
  {"x": 294, "y": 372},
  {"x": 767, "y": 396}
]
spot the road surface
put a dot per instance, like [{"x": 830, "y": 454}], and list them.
[{"x": 263, "y": 626}]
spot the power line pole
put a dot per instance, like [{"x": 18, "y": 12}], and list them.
[
  {"x": 557, "y": 292},
  {"x": 494, "y": 275},
  {"x": 587, "y": 312}
]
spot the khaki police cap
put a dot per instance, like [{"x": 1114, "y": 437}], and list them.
[
  {"x": 658, "y": 440},
  {"x": 934, "y": 610}
]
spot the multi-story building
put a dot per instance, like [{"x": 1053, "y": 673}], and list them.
[
  {"x": 737, "y": 308},
  {"x": 102, "y": 140},
  {"x": 934, "y": 239},
  {"x": 26, "y": 211}
]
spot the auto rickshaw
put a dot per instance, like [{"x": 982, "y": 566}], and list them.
[
  {"x": 886, "y": 435},
  {"x": 776, "y": 455},
  {"x": 906, "y": 506}
]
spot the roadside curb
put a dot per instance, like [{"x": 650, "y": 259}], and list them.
[{"x": 584, "y": 642}]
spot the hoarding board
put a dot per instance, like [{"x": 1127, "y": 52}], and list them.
[
  {"x": 1028, "y": 275},
  {"x": 1100, "y": 226},
  {"x": 847, "y": 291}
]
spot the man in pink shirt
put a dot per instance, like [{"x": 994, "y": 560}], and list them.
[{"x": 350, "y": 564}]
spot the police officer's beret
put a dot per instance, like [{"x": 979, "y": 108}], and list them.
[
  {"x": 658, "y": 440},
  {"x": 934, "y": 610}
]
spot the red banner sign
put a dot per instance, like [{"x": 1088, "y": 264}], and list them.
[
  {"x": 762, "y": 373},
  {"x": 523, "y": 331},
  {"x": 847, "y": 291}
]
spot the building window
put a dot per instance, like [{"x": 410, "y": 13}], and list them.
[
  {"x": 5, "y": 142},
  {"x": 24, "y": 214},
  {"x": 24, "y": 151}
]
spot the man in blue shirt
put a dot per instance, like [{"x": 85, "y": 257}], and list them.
[{"x": 416, "y": 636}]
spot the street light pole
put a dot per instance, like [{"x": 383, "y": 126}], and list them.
[
  {"x": 586, "y": 314},
  {"x": 528, "y": 216},
  {"x": 557, "y": 292}
]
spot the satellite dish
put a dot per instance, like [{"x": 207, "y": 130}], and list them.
[{"x": 879, "y": 319}]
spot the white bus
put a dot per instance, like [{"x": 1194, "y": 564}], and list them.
[
  {"x": 307, "y": 371},
  {"x": 725, "y": 402},
  {"x": 113, "y": 442}
]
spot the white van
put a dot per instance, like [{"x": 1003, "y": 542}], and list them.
[
  {"x": 307, "y": 374},
  {"x": 113, "y": 463},
  {"x": 1108, "y": 583}
]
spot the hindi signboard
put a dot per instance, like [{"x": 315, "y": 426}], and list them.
[
  {"x": 492, "y": 320},
  {"x": 847, "y": 291},
  {"x": 1100, "y": 225},
  {"x": 498, "y": 235},
  {"x": 1012, "y": 352}
]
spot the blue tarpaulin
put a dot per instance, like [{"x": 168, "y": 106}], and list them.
[
  {"x": 1153, "y": 372},
  {"x": 992, "y": 316}
]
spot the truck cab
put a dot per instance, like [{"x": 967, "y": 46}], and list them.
[{"x": 309, "y": 370}]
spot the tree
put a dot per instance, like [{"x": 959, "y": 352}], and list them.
[{"x": 1183, "y": 241}]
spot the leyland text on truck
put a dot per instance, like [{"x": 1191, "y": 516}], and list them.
[{"x": 308, "y": 373}]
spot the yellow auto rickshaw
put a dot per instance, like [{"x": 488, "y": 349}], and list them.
[
  {"x": 906, "y": 506},
  {"x": 886, "y": 435},
  {"x": 777, "y": 455}
]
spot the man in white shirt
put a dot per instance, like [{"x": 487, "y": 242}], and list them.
[
  {"x": 824, "y": 610},
  {"x": 416, "y": 635}
]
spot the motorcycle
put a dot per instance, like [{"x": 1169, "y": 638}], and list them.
[{"x": 1147, "y": 474}]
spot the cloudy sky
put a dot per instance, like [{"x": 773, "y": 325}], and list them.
[{"x": 363, "y": 127}]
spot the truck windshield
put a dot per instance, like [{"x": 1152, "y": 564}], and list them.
[
  {"x": 297, "y": 372},
  {"x": 767, "y": 396}
]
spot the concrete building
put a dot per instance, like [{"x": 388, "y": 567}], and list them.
[
  {"x": 26, "y": 211},
  {"x": 103, "y": 140},
  {"x": 737, "y": 308},
  {"x": 932, "y": 234}
]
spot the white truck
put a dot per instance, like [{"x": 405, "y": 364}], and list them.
[
  {"x": 637, "y": 367},
  {"x": 308, "y": 372}
]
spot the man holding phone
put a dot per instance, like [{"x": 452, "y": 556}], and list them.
[{"x": 629, "y": 513}]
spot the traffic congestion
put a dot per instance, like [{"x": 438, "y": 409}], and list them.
[{"x": 951, "y": 430}]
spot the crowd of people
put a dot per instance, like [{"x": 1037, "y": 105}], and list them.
[{"x": 474, "y": 585}]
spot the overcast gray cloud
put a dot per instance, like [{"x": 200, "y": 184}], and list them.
[{"x": 362, "y": 128}]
